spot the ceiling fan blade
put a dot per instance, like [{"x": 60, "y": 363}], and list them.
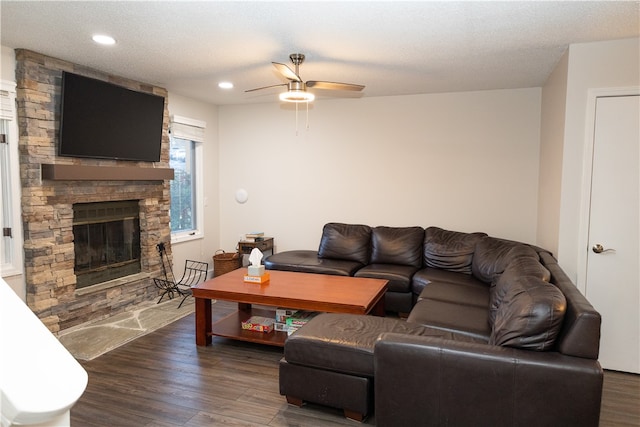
[
  {"x": 286, "y": 72},
  {"x": 265, "y": 87},
  {"x": 334, "y": 86}
]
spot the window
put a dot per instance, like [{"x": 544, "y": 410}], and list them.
[
  {"x": 185, "y": 157},
  {"x": 10, "y": 226},
  {"x": 183, "y": 190}
]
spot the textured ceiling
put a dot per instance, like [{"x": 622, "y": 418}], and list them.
[{"x": 394, "y": 48}]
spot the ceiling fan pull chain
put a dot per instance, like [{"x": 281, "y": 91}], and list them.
[
  {"x": 296, "y": 119},
  {"x": 307, "y": 116}
]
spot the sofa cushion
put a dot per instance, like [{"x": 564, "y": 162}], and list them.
[
  {"x": 452, "y": 317},
  {"x": 530, "y": 315},
  {"x": 477, "y": 296},
  {"x": 350, "y": 242},
  {"x": 397, "y": 245},
  {"x": 450, "y": 250},
  {"x": 492, "y": 256},
  {"x": 399, "y": 276},
  {"x": 305, "y": 261},
  {"x": 519, "y": 267},
  {"x": 426, "y": 276}
]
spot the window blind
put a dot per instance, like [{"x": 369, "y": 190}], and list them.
[
  {"x": 6, "y": 105},
  {"x": 186, "y": 128}
]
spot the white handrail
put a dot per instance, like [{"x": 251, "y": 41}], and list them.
[{"x": 39, "y": 379}]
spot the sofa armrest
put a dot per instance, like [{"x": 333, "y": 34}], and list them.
[{"x": 429, "y": 381}]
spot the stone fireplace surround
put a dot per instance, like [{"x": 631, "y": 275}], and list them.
[{"x": 52, "y": 184}]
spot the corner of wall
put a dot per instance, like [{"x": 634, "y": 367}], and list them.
[{"x": 552, "y": 124}]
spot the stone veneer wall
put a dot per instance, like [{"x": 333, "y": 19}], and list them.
[{"x": 47, "y": 212}]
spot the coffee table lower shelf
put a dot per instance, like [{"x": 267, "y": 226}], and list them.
[{"x": 231, "y": 327}]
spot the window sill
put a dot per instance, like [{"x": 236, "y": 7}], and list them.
[
  {"x": 186, "y": 237},
  {"x": 9, "y": 270}
]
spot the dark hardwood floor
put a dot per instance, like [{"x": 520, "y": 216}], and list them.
[
  {"x": 620, "y": 400},
  {"x": 164, "y": 380}
]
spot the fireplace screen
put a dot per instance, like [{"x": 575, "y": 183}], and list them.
[{"x": 106, "y": 239}]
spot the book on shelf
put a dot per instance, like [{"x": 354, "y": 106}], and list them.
[
  {"x": 254, "y": 236},
  {"x": 300, "y": 318},
  {"x": 282, "y": 314},
  {"x": 258, "y": 324},
  {"x": 290, "y": 320},
  {"x": 253, "y": 239}
]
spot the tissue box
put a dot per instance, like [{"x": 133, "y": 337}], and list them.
[
  {"x": 257, "y": 279},
  {"x": 256, "y": 270}
]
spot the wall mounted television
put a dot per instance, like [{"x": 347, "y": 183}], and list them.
[{"x": 105, "y": 121}]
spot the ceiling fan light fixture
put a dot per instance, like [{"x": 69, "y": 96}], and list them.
[
  {"x": 103, "y": 39},
  {"x": 297, "y": 88},
  {"x": 297, "y": 96}
]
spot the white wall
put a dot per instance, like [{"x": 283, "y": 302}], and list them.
[
  {"x": 610, "y": 64},
  {"x": 7, "y": 64},
  {"x": 552, "y": 124},
  {"x": 464, "y": 161},
  {"x": 201, "y": 249}
]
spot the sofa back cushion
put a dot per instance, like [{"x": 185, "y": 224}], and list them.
[
  {"x": 520, "y": 267},
  {"x": 351, "y": 242},
  {"x": 450, "y": 250},
  {"x": 492, "y": 256},
  {"x": 530, "y": 315},
  {"x": 397, "y": 245}
]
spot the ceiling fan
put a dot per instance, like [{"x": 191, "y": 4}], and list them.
[{"x": 297, "y": 88}]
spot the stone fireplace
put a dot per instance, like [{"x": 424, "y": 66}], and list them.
[{"x": 69, "y": 280}]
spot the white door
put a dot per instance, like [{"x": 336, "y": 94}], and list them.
[{"x": 613, "y": 266}]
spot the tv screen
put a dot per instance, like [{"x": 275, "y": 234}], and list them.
[{"x": 105, "y": 121}]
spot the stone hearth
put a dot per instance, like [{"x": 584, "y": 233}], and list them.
[{"x": 47, "y": 203}]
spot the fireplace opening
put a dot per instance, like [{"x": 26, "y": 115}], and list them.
[{"x": 106, "y": 239}]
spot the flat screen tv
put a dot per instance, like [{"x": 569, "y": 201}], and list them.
[{"x": 105, "y": 121}]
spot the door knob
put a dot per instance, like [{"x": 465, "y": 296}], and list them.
[{"x": 598, "y": 248}]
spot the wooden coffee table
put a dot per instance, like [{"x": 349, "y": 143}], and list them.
[{"x": 302, "y": 291}]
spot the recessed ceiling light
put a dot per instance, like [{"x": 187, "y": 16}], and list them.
[
  {"x": 225, "y": 85},
  {"x": 103, "y": 39}
]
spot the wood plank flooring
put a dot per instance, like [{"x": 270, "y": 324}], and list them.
[
  {"x": 620, "y": 400},
  {"x": 164, "y": 380}
]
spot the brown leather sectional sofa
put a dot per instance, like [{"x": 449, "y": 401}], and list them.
[{"x": 496, "y": 333}]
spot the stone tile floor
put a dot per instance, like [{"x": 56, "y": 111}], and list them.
[{"x": 90, "y": 340}]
